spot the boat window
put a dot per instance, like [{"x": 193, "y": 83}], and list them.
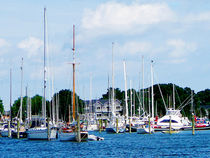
[{"x": 167, "y": 121}]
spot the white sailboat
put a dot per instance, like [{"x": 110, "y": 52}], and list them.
[
  {"x": 43, "y": 132},
  {"x": 91, "y": 124},
  {"x": 149, "y": 129},
  {"x": 4, "y": 129},
  {"x": 116, "y": 124}
]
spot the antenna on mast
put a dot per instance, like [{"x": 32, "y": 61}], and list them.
[{"x": 73, "y": 38}]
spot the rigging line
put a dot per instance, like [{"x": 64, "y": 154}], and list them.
[
  {"x": 189, "y": 101},
  {"x": 160, "y": 92},
  {"x": 140, "y": 103},
  {"x": 189, "y": 97},
  {"x": 162, "y": 96},
  {"x": 177, "y": 95}
]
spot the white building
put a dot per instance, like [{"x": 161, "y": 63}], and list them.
[{"x": 101, "y": 109}]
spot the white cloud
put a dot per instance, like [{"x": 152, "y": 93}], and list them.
[
  {"x": 3, "y": 73},
  {"x": 31, "y": 45},
  {"x": 134, "y": 47},
  {"x": 180, "y": 48},
  {"x": 176, "y": 61},
  {"x": 205, "y": 16},
  {"x": 124, "y": 19},
  {"x": 3, "y": 43},
  {"x": 4, "y": 46}
]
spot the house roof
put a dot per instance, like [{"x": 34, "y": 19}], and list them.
[{"x": 101, "y": 101}]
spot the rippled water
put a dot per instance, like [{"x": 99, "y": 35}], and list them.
[{"x": 183, "y": 144}]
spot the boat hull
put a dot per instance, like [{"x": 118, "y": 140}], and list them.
[
  {"x": 114, "y": 130},
  {"x": 41, "y": 134},
  {"x": 67, "y": 136},
  {"x": 72, "y": 136},
  {"x": 145, "y": 130},
  {"x": 21, "y": 134},
  {"x": 4, "y": 133}
]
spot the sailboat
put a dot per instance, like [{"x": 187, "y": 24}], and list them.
[
  {"x": 148, "y": 129},
  {"x": 72, "y": 132},
  {"x": 116, "y": 124},
  {"x": 4, "y": 129},
  {"x": 43, "y": 132},
  {"x": 21, "y": 132},
  {"x": 91, "y": 122}
]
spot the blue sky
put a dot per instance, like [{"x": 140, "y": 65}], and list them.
[{"x": 173, "y": 33}]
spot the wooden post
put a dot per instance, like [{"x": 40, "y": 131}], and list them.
[
  {"x": 78, "y": 129},
  {"x": 105, "y": 123},
  {"x": 9, "y": 130},
  {"x": 149, "y": 126},
  {"x": 100, "y": 122},
  {"x": 129, "y": 125},
  {"x": 117, "y": 130},
  {"x": 193, "y": 125},
  {"x": 18, "y": 129},
  {"x": 170, "y": 125},
  {"x": 48, "y": 129}
]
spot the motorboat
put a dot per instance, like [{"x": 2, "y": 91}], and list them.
[{"x": 171, "y": 115}]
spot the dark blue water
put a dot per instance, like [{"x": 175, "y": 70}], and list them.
[{"x": 183, "y": 144}]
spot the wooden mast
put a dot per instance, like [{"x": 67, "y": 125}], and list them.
[{"x": 73, "y": 72}]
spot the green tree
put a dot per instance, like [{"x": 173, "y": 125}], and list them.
[{"x": 1, "y": 107}]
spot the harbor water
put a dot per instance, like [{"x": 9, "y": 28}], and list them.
[{"x": 183, "y": 144}]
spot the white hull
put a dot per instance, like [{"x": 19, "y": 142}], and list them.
[
  {"x": 94, "y": 138},
  {"x": 144, "y": 130},
  {"x": 41, "y": 134},
  {"x": 72, "y": 136},
  {"x": 67, "y": 136},
  {"x": 4, "y": 133}
]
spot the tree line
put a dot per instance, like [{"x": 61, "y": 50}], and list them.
[{"x": 163, "y": 97}]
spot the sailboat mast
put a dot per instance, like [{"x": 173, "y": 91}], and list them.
[
  {"x": 109, "y": 96},
  {"x": 152, "y": 78},
  {"x": 113, "y": 106},
  {"x": 173, "y": 96},
  {"x": 11, "y": 95},
  {"x": 21, "y": 92},
  {"x": 131, "y": 111},
  {"x": 126, "y": 96},
  {"x": 91, "y": 107},
  {"x": 73, "y": 72},
  {"x": 191, "y": 101},
  {"x": 27, "y": 104},
  {"x": 57, "y": 108},
  {"x": 143, "y": 82},
  {"x": 45, "y": 69}
]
